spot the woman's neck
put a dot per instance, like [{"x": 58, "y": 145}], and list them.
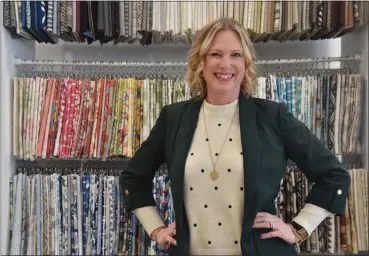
[{"x": 221, "y": 99}]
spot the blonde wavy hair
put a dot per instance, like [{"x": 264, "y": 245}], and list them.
[{"x": 201, "y": 46}]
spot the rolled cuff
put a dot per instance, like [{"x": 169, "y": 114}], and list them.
[
  {"x": 311, "y": 216},
  {"x": 149, "y": 218}
]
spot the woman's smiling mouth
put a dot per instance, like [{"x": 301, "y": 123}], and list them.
[{"x": 224, "y": 76}]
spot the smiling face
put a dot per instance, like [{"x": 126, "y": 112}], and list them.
[{"x": 224, "y": 67}]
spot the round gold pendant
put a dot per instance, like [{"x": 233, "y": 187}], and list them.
[{"x": 214, "y": 175}]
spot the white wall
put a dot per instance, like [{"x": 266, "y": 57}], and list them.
[{"x": 9, "y": 48}]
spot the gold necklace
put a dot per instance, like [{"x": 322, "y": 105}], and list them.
[{"x": 214, "y": 175}]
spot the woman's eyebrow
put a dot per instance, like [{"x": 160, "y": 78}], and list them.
[{"x": 218, "y": 50}]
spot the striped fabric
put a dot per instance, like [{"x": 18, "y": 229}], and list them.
[
  {"x": 169, "y": 22},
  {"x": 332, "y": 114},
  {"x": 329, "y": 105},
  {"x": 320, "y": 13},
  {"x": 139, "y": 14},
  {"x": 64, "y": 31},
  {"x": 50, "y": 16}
]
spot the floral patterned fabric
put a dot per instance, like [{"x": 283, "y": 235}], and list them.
[{"x": 82, "y": 118}]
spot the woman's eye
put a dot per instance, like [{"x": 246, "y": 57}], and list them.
[
  {"x": 215, "y": 54},
  {"x": 236, "y": 54}
]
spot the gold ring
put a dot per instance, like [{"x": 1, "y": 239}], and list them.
[
  {"x": 271, "y": 225},
  {"x": 157, "y": 237}
]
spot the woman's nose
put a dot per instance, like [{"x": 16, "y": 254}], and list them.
[{"x": 225, "y": 62}]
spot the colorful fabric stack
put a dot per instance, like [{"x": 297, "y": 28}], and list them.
[
  {"x": 329, "y": 105},
  {"x": 58, "y": 214},
  {"x": 71, "y": 214},
  {"x": 161, "y": 22},
  {"x": 336, "y": 234},
  {"x": 88, "y": 118}
]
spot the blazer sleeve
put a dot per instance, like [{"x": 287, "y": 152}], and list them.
[
  {"x": 331, "y": 181},
  {"x": 136, "y": 179}
]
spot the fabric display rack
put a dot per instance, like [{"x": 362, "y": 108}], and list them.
[
  {"x": 76, "y": 124},
  {"x": 157, "y": 22},
  {"x": 65, "y": 197},
  {"x": 89, "y": 117},
  {"x": 74, "y": 211}
]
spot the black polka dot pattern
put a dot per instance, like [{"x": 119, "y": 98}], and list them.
[{"x": 216, "y": 188}]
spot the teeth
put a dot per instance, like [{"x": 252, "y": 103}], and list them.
[{"x": 224, "y": 76}]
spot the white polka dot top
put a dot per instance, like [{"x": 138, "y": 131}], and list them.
[{"x": 214, "y": 207}]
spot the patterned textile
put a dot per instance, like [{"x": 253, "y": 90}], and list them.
[
  {"x": 6, "y": 14},
  {"x": 350, "y": 236},
  {"x": 71, "y": 214},
  {"x": 329, "y": 105},
  {"x": 63, "y": 213},
  {"x": 83, "y": 118},
  {"x": 156, "y": 22},
  {"x": 331, "y": 114}
]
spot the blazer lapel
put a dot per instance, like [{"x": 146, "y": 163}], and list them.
[
  {"x": 251, "y": 154},
  {"x": 182, "y": 146}
]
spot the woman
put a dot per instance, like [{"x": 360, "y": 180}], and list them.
[{"x": 226, "y": 153}]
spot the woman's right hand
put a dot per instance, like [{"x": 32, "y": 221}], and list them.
[{"x": 164, "y": 236}]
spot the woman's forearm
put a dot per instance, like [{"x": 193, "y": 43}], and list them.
[{"x": 149, "y": 218}]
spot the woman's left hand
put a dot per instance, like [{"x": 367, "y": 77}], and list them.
[{"x": 278, "y": 227}]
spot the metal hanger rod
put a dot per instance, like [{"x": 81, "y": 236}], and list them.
[{"x": 21, "y": 62}]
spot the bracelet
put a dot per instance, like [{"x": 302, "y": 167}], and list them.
[
  {"x": 296, "y": 234},
  {"x": 156, "y": 232}
]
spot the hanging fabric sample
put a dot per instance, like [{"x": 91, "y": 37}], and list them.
[
  {"x": 54, "y": 213},
  {"x": 81, "y": 212},
  {"x": 157, "y": 22},
  {"x": 345, "y": 234},
  {"x": 88, "y": 118},
  {"x": 330, "y": 105}
]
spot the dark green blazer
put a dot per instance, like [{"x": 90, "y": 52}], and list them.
[{"x": 270, "y": 136}]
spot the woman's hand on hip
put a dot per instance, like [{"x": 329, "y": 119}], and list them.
[
  {"x": 278, "y": 227},
  {"x": 164, "y": 236}
]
